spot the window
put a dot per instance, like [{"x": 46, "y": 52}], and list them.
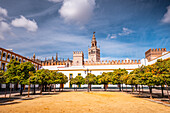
[
  {"x": 79, "y": 74},
  {"x": 12, "y": 57},
  {"x": 3, "y": 66},
  {"x": 8, "y": 56},
  {"x": 71, "y": 76},
  {"x": 16, "y": 59},
  {"x": 4, "y": 54},
  {"x": 20, "y": 60},
  {"x": 0, "y": 53}
]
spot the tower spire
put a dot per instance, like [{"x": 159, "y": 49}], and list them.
[
  {"x": 34, "y": 56},
  {"x": 94, "y": 36},
  {"x": 56, "y": 58},
  {"x": 93, "y": 42},
  {"x": 94, "y": 52}
]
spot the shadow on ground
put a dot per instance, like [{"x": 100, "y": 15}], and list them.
[{"x": 18, "y": 98}]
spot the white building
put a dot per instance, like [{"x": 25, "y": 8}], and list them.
[{"x": 79, "y": 67}]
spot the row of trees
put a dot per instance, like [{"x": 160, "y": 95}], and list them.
[
  {"x": 105, "y": 78},
  {"x": 151, "y": 75},
  {"x": 25, "y": 74}
]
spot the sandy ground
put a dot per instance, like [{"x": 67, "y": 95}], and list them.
[{"x": 83, "y": 102}]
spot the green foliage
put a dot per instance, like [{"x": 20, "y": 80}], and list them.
[
  {"x": 53, "y": 78},
  {"x": 11, "y": 73},
  {"x": 2, "y": 77},
  {"x": 105, "y": 78},
  {"x": 117, "y": 73},
  {"x": 42, "y": 76},
  {"x": 90, "y": 79},
  {"x": 125, "y": 78},
  {"x": 23, "y": 72},
  {"x": 61, "y": 78},
  {"x": 77, "y": 80},
  {"x": 132, "y": 79},
  {"x": 33, "y": 78}
]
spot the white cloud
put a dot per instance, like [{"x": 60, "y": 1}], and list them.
[
  {"x": 125, "y": 31},
  {"x": 3, "y": 12},
  {"x": 4, "y": 28},
  {"x": 55, "y": 1},
  {"x": 25, "y": 23},
  {"x": 113, "y": 36},
  {"x": 166, "y": 18},
  {"x": 78, "y": 11}
]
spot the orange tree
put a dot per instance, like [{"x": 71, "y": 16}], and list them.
[
  {"x": 124, "y": 79},
  {"x": 61, "y": 79},
  {"x": 2, "y": 79},
  {"x": 78, "y": 80},
  {"x": 41, "y": 77},
  {"x": 132, "y": 80},
  {"x": 105, "y": 78},
  {"x": 90, "y": 79},
  {"x": 11, "y": 74},
  {"x": 116, "y": 78},
  {"x": 53, "y": 79},
  {"x": 162, "y": 72},
  {"x": 24, "y": 71}
]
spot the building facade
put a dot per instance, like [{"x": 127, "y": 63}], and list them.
[
  {"x": 94, "y": 65},
  {"x": 7, "y": 55}
]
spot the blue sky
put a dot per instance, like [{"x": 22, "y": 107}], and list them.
[{"x": 124, "y": 28}]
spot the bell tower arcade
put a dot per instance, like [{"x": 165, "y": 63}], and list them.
[{"x": 94, "y": 52}]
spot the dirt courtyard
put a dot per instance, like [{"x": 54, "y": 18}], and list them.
[{"x": 84, "y": 102}]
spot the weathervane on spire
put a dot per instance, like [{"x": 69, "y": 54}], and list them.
[{"x": 94, "y": 32}]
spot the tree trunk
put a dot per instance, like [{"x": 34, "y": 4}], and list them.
[
  {"x": 74, "y": 87},
  {"x": 142, "y": 89},
  {"x": 122, "y": 87},
  {"x": 54, "y": 87},
  {"x": 167, "y": 91},
  {"x": 90, "y": 87},
  {"x": 136, "y": 86},
  {"x": 139, "y": 89},
  {"x": 34, "y": 90},
  {"x": 119, "y": 87},
  {"x": 50, "y": 87},
  {"x": 10, "y": 89},
  {"x": 162, "y": 89},
  {"x": 45, "y": 87},
  {"x": 29, "y": 90},
  {"x": 132, "y": 88},
  {"x": 41, "y": 89},
  {"x": 126, "y": 87},
  {"x": 150, "y": 88},
  {"x": 21, "y": 89},
  {"x": 105, "y": 87},
  {"x": 62, "y": 87},
  {"x": 5, "y": 90}
]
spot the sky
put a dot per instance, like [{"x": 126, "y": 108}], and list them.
[{"x": 124, "y": 28}]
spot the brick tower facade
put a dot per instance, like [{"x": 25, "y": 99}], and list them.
[
  {"x": 78, "y": 58},
  {"x": 93, "y": 52},
  {"x": 154, "y": 53}
]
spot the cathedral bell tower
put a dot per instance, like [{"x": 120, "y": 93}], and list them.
[{"x": 94, "y": 52}]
